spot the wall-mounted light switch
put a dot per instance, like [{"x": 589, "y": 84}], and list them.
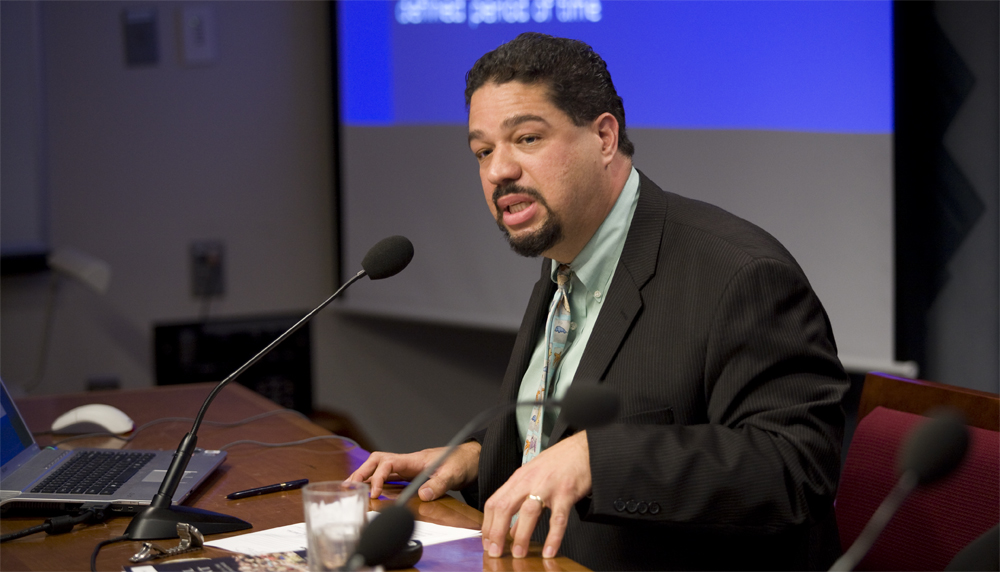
[{"x": 199, "y": 45}]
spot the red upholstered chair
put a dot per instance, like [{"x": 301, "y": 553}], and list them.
[{"x": 938, "y": 520}]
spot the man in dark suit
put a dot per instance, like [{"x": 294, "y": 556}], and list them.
[{"x": 726, "y": 449}]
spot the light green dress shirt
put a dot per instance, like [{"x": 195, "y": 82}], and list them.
[{"x": 592, "y": 271}]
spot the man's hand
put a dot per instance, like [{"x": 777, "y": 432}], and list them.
[
  {"x": 559, "y": 476},
  {"x": 457, "y": 471}
]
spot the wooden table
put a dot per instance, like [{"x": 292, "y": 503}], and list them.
[{"x": 247, "y": 466}]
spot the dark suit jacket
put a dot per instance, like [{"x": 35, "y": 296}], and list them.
[{"x": 726, "y": 451}]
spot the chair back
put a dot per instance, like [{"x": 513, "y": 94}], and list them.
[
  {"x": 981, "y": 409},
  {"x": 937, "y": 520}
]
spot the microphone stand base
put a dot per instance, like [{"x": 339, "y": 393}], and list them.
[{"x": 155, "y": 523}]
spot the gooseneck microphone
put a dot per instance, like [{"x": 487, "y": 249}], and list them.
[
  {"x": 585, "y": 406},
  {"x": 931, "y": 451},
  {"x": 159, "y": 519}
]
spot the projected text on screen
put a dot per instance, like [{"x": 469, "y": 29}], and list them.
[
  {"x": 787, "y": 66},
  {"x": 496, "y": 11}
]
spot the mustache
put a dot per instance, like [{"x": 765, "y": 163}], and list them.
[{"x": 515, "y": 189}]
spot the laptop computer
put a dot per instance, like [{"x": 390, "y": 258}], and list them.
[{"x": 31, "y": 481}]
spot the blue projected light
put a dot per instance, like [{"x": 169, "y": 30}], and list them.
[
  {"x": 365, "y": 54},
  {"x": 790, "y": 66}
]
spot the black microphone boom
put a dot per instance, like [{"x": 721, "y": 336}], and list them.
[{"x": 159, "y": 519}]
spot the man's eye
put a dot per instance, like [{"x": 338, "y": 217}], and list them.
[
  {"x": 482, "y": 153},
  {"x": 529, "y": 139}
]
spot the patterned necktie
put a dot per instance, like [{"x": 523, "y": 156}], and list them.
[{"x": 556, "y": 331}]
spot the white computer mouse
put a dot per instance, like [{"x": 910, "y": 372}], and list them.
[{"x": 93, "y": 418}]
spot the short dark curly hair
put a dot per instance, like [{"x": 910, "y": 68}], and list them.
[{"x": 578, "y": 79}]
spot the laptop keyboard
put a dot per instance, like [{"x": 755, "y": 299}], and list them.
[{"x": 93, "y": 473}]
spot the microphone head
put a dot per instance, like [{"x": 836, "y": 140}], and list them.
[
  {"x": 935, "y": 447},
  {"x": 388, "y": 257},
  {"x": 587, "y": 405},
  {"x": 386, "y": 536}
]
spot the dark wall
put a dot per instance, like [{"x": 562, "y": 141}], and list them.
[{"x": 946, "y": 143}]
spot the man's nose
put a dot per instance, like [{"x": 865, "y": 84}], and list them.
[{"x": 503, "y": 167}]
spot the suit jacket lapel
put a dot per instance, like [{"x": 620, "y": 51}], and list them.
[{"x": 635, "y": 267}]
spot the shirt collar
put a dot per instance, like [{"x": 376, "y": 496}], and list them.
[{"x": 596, "y": 263}]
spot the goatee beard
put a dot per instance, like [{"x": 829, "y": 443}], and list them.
[{"x": 535, "y": 243}]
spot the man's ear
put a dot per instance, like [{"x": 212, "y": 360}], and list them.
[{"x": 607, "y": 129}]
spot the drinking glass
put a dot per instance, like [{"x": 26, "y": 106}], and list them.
[{"x": 335, "y": 513}]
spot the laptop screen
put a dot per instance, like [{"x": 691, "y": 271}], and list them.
[{"x": 15, "y": 439}]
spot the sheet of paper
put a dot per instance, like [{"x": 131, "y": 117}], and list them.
[
  {"x": 292, "y": 538},
  {"x": 289, "y": 538},
  {"x": 429, "y": 533}
]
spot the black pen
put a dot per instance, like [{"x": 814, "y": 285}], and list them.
[{"x": 275, "y": 488}]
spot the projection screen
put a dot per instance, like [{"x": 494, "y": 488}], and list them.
[{"x": 780, "y": 112}]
